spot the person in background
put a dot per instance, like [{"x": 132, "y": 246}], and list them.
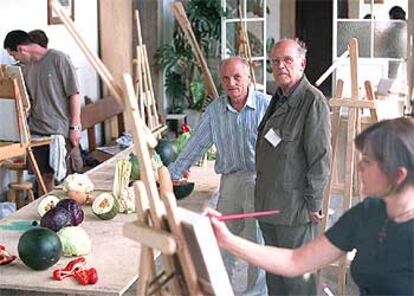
[
  {"x": 293, "y": 155},
  {"x": 230, "y": 123},
  {"x": 394, "y": 42},
  {"x": 39, "y": 37},
  {"x": 380, "y": 228},
  {"x": 54, "y": 91},
  {"x": 397, "y": 13}
]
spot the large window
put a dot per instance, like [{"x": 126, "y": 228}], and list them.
[
  {"x": 382, "y": 39},
  {"x": 234, "y": 28}
]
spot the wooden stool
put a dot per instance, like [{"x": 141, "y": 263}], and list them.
[{"x": 16, "y": 188}]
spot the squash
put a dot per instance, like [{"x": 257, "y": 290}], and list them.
[
  {"x": 105, "y": 206},
  {"x": 47, "y": 203},
  {"x": 39, "y": 248}
]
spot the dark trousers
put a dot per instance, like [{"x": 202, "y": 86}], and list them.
[{"x": 289, "y": 237}]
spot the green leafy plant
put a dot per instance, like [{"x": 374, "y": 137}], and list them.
[
  {"x": 183, "y": 78},
  {"x": 269, "y": 45}
]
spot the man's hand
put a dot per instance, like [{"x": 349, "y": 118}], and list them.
[
  {"x": 316, "y": 217},
  {"x": 74, "y": 137}
]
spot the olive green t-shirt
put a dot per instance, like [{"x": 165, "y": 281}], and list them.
[{"x": 50, "y": 82}]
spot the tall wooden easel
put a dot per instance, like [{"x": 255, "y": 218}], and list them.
[
  {"x": 9, "y": 89},
  {"x": 94, "y": 60},
  {"x": 161, "y": 226},
  {"x": 353, "y": 126},
  {"x": 143, "y": 86},
  {"x": 181, "y": 16},
  {"x": 244, "y": 48}
]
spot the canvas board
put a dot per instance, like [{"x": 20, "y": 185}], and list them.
[
  {"x": 9, "y": 131},
  {"x": 205, "y": 251},
  {"x": 16, "y": 72}
]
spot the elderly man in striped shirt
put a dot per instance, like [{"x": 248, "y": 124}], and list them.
[{"x": 230, "y": 123}]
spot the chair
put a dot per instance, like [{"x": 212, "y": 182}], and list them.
[{"x": 97, "y": 112}]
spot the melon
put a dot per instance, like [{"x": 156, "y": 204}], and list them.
[
  {"x": 39, "y": 248},
  {"x": 105, "y": 206},
  {"x": 167, "y": 151},
  {"x": 47, "y": 203}
]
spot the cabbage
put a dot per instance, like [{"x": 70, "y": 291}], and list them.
[{"x": 75, "y": 241}]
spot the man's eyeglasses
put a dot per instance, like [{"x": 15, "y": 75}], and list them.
[{"x": 288, "y": 60}]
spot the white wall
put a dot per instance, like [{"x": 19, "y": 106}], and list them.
[{"x": 32, "y": 14}]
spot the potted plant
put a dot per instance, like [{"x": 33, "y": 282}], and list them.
[{"x": 184, "y": 85}]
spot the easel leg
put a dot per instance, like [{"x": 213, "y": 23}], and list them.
[
  {"x": 39, "y": 177},
  {"x": 146, "y": 270}
]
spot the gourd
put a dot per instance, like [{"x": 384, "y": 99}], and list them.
[
  {"x": 47, "y": 203},
  {"x": 105, "y": 206}
]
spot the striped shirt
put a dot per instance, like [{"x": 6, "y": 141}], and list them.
[{"x": 233, "y": 133}]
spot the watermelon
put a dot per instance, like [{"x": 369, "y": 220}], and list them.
[
  {"x": 167, "y": 151},
  {"x": 39, "y": 248},
  {"x": 105, "y": 206}
]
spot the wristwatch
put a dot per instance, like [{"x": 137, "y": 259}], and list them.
[{"x": 77, "y": 127}]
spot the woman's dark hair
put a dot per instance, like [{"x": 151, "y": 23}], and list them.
[{"x": 392, "y": 145}]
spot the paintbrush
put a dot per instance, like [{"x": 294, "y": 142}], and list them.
[{"x": 245, "y": 215}]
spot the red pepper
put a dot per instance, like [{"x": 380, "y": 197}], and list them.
[
  {"x": 73, "y": 266},
  {"x": 82, "y": 277},
  {"x": 185, "y": 127},
  {"x": 86, "y": 277},
  {"x": 5, "y": 257},
  {"x": 93, "y": 276}
]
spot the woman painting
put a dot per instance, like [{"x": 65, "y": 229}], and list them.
[{"x": 380, "y": 228}]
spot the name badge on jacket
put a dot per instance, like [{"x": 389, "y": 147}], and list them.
[{"x": 272, "y": 137}]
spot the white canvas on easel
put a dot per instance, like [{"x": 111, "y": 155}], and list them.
[
  {"x": 16, "y": 72},
  {"x": 9, "y": 130},
  {"x": 9, "y": 120}
]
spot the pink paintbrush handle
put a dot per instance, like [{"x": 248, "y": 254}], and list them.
[{"x": 247, "y": 215}]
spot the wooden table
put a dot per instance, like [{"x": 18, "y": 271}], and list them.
[{"x": 115, "y": 257}]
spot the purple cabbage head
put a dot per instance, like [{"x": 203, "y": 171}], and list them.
[
  {"x": 75, "y": 210},
  {"x": 55, "y": 219}
]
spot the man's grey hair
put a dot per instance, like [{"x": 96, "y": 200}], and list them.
[
  {"x": 236, "y": 58},
  {"x": 301, "y": 46}
]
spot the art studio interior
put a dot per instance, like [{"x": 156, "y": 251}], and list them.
[{"x": 206, "y": 147}]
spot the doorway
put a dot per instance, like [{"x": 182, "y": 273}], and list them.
[{"x": 314, "y": 27}]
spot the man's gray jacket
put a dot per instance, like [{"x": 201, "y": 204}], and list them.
[{"x": 292, "y": 176}]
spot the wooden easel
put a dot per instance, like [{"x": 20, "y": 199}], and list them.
[
  {"x": 161, "y": 226},
  {"x": 244, "y": 48},
  {"x": 353, "y": 126},
  {"x": 95, "y": 61},
  {"x": 143, "y": 86},
  {"x": 9, "y": 89},
  {"x": 181, "y": 16}
]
